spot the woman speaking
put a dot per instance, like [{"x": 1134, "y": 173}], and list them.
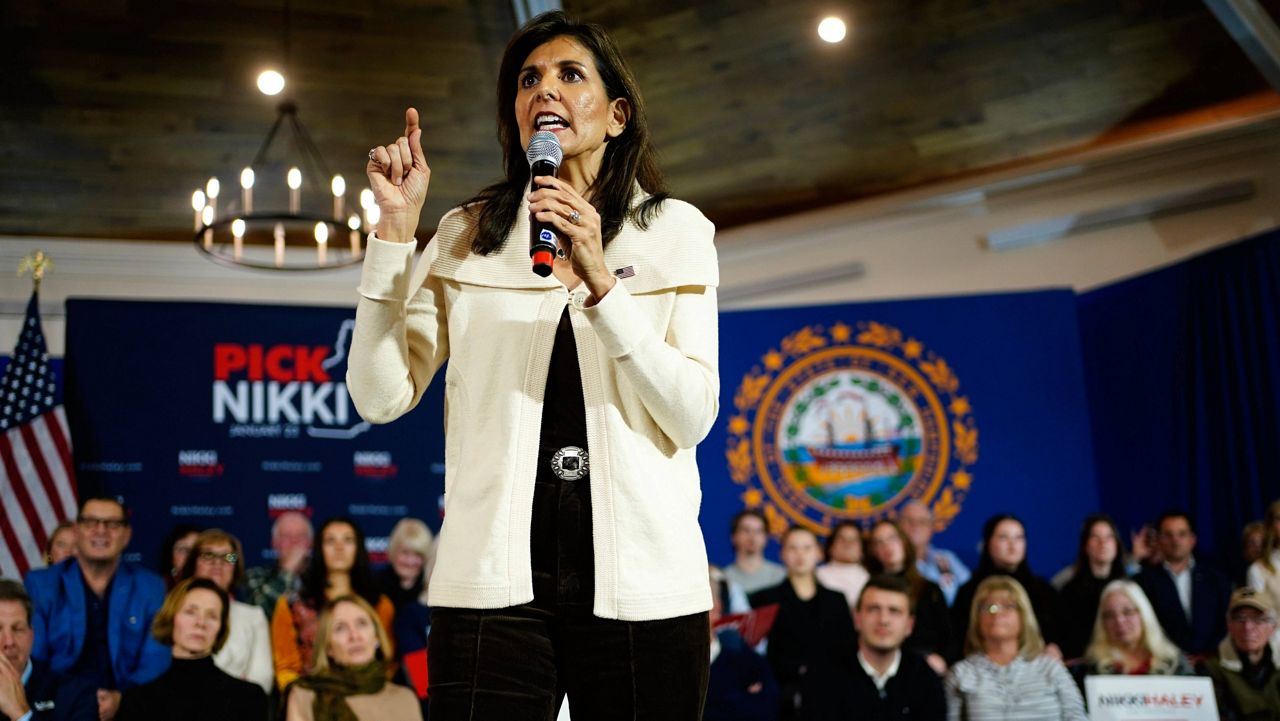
[{"x": 570, "y": 560}]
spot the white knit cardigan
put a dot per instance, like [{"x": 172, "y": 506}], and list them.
[{"x": 648, "y": 358}]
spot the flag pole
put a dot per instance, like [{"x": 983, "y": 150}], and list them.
[{"x": 37, "y": 264}]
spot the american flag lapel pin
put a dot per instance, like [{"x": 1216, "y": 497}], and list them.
[{"x": 626, "y": 272}]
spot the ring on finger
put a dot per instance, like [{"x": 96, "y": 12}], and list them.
[
  {"x": 373, "y": 155},
  {"x": 574, "y": 217}
]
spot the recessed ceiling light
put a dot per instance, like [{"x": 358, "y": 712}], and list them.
[
  {"x": 270, "y": 82},
  {"x": 831, "y": 29}
]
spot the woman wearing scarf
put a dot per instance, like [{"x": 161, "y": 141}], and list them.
[{"x": 349, "y": 679}]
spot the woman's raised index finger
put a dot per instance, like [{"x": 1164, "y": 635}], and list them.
[{"x": 410, "y": 121}]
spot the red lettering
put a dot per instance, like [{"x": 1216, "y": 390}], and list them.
[
  {"x": 307, "y": 363},
  {"x": 255, "y": 362},
  {"x": 276, "y": 358},
  {"x": 227, "y": 358}
]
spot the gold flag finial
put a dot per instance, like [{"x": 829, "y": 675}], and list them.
[{"x": 37, "y": 264}]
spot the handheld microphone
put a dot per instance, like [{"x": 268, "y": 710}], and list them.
[{"x": 544, "y": 156}]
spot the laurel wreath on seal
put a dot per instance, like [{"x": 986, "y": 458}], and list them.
[{"x": 757, "y": 382}]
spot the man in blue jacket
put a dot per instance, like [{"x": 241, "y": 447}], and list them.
[
  {"x": 31, "y": 691},
  {"x": 92, "y": 614}
]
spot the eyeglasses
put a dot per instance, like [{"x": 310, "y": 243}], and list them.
[
  {"x": 1247, "y": 620},
  {"x": 112, "y": 524},
  {"x": 996, "y": 608},
  {"x": 211, "y": 557}
]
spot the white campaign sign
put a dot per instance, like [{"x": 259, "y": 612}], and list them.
[{"x": 1150, "y": 698}]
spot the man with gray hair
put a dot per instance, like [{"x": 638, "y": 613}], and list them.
[
  {"x": 936, "y": 564},
  {"x": 291, "y": 538},
  {"x": 31, "y": 691},
  {"x": 1245, "y": 676}
]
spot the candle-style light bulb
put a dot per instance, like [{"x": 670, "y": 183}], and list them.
[
  {"x": 339, "y": 187},
  {"x": 295, "y": 194},
  {"x": 322, "y": 242},
  {"x": 246, "y": 189},
  {"x": 212, "y": 187},
  {"x": 295, "y": 178},
  {"x": 237, "y": 238},
  {"x": 197, "y": 201},
  {"x": 206, "y": 216}
]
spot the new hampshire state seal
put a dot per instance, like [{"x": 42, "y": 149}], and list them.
[{"x": 851, "y": 422}]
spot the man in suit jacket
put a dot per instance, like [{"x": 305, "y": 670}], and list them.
[
  {"x": 30, "y": 691},
  {"x": 889, "y": 682},
  {"x": 1190, "y": 598},
  {"x": 92, "y": 614}
]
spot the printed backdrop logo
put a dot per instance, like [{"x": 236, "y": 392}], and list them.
[
  {"x": 280, "y": 503},
  {"x": 275, "y": 391},
  {"x": 199, "y": 463},
  {"x": 843, "y": 423},
  {"x": 373, "y": 464}
]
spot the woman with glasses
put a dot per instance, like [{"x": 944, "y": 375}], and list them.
[
  {"x": 1127, "y": 638},
  {"x": 194, "y": 622},
  {"x": 217, "y": 556},
  {"x": 1006, "y": 674}
]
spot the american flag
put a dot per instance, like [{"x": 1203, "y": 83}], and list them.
[{"x": 37, "y": 484}]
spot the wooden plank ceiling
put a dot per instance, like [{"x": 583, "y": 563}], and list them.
[{"x": 113, "y": 111}]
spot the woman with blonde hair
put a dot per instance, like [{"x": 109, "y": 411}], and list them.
[
  {"x": 349, "y": 677},
  {"x": 1127, "y": 638},
  {"x": 1264, "y": 573},
  {"x": 1007, "y": 674},
  {"x": 404, "y": 581}
]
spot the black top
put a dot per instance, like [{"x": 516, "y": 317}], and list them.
[
  {"x": 1081, "y": 597},
  {"x": 561, "y": 552},
  {"x": 94, "y": 663},
  {"x": 914, "y": 692},
  {"x": 1210, "y": 593},
  {"x": 932, "y": 630},
  {"x": 194, "y": 690},
  {"x": 811, "y": 645}
]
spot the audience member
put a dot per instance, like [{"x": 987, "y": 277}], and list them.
[
  {"x": 1007, "y": 675},
  {"x": 892, "y": 554},
  {"x": 733, "y": 598},
  {"x": 1244, "y": 673},
  {"x": 349, "y": 677},
  {"x": 174, "y": 551},
  {"x": 246, "y": 654},
  {"x": 750, "y": 571},
  {"x": 195, "y": 622},
  {"x": 740, "y": 686},
  {"x": 30, "y": 690},
  {"x": 340, "y": 569},
  {"x": 61, "y": 544},
  {"x": 291, "y": 540},
  {"x": 1264, "y": 573},
  {"x": 812, "y": 640},
  {"x": 843, "y": 570},
  {"x": 92, "y": 612},
  {"x": 1004, "y": 552},
  {"x": 1099, "y": 561},
  {"x": 889, "y": 681},
  {"x": 1190, "y": 598},
  {"x": 1253, "y": 539},
  {"x": 1127, "y": 638},
  {"x": 404, "y": 581},
  {"x": 936, "y": 564}
]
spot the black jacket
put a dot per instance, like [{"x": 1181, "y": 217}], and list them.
[
  {"x": 58, "y": 697},
  {"x": 740, "y": 686},
  {"x": 810, "y": 646},
  {"x": 1210, "y": 593},
  {"x": 914, "y": 692}
]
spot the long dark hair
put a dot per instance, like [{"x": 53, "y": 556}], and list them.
[
  {"x": 628, "y": 158},
  {"x": 986, "y": 566},
  {"x": 1117, "y": 569},
  {"x": 315, "y": 580}
]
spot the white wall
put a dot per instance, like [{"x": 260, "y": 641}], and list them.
[{"x": 918, "y": 243}]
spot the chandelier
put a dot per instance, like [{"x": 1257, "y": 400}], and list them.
[
  {"x": 256, "y": 231},
  {"x": 320, "y": 236}
]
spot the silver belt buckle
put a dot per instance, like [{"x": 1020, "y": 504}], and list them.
[{"x": 569, "y": 463}]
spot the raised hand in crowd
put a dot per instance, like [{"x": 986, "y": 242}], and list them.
[
  {"x": 13, "y": 698},
  {"x": 108, "y": 704}
]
